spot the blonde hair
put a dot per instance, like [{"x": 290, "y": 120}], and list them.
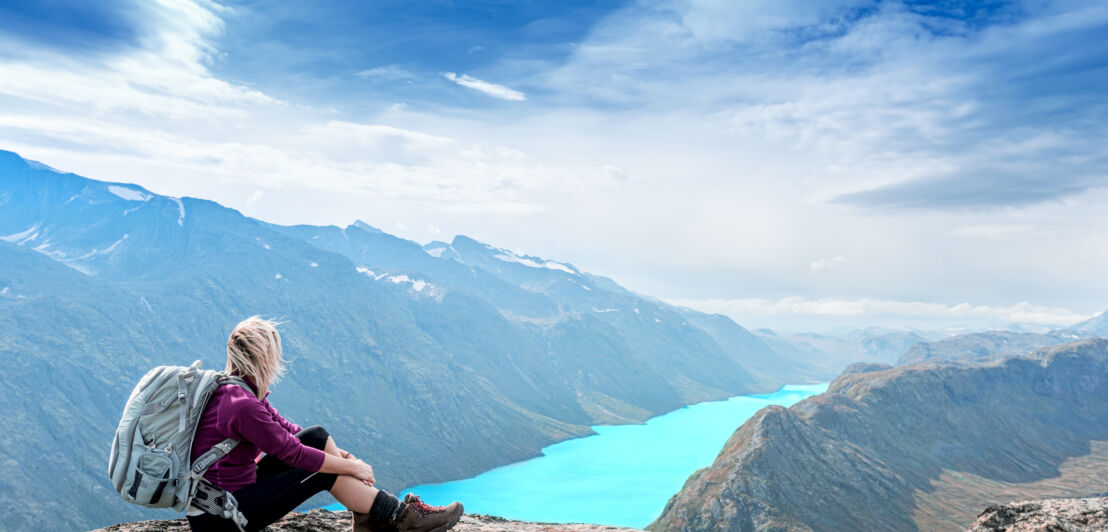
[{"x": 254, "y": 350}]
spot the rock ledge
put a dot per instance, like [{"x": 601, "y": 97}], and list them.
[
  {"x": 1049, "y": 515},
  {"x": 327, "y": 521}
]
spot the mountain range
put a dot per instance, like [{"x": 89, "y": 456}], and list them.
[{"x": 433, "y": 362}]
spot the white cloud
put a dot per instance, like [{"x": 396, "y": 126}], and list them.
[
  {"x": 868, "y": 311},
  {"x": 826, "y": 264},
  {"x": 165, "y": 74},
  {"x": 491, "y": 89},
  {"x": 685, "y": 148},
  {"x": 388, "y": 73}
]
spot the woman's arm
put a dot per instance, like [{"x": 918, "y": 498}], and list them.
[{"x": 348, "y": 466}]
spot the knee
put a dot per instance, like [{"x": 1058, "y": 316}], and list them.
[{"x": 314, "y": 437}]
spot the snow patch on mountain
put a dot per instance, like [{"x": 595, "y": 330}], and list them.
[
  {"x": 417, "y": 284},
  {"x": 369, "y": 273},
  {"x": 508, "y": 256},
  {"x": 24, "y": 236},
  {"x": 128, "y": 194},
  {"x": 180, "y": 209},
  {"x": 442, "y": 250},
  {"x": 95, "y": 252}
]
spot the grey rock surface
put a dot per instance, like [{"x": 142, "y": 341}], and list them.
[{"x": 1052, "y": 515}]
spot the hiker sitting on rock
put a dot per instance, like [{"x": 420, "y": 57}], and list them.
[{"x": 297, "y": 463}]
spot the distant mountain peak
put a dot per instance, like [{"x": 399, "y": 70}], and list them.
[
  {"x": 505, "y": 255},
  {"x": 1097, "y": 324},
  {"x": 365, "y": 227},
  {"x": 442, "y": 250},
  {"x": 15, "y": 157}
]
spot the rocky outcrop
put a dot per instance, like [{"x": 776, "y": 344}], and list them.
[
  {"x": 865, "y": 367},
  {"x": 326, "y": 521},
  {"x": 921, "y": 447},
  {"x": 1055, "y": 515}
]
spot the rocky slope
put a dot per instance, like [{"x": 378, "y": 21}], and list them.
[
  {"x": 325, "y": 521},
  {"x": 1053, "y": 515},
  {"x": 921, "y": 447}
]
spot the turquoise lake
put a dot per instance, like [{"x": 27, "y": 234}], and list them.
[{"x": 623, "y": 475}]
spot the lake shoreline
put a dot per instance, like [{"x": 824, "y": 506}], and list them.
[{"x": 645, "y": 463}]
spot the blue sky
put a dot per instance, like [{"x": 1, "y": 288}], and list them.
[{"x": 797, "y": 165}]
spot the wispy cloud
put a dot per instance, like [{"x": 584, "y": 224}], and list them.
[
  {"x": 391, "y": 73},
  {"x": 917, "y": 314},
  {"x": 972, "y": 190},
  {"x": 826, "y": 264},
  {"x": 491, "y": 89},
  {"x": 163, "y": 73}
]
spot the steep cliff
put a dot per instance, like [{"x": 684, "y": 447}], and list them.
[{"x": 909, "y": 448}]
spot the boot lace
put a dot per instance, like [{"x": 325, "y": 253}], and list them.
[{"x": 424, "y": 507}]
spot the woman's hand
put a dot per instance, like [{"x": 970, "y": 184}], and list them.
[
  {"x": 346, "y": 464},
  {"x": 362, "y": 471}
]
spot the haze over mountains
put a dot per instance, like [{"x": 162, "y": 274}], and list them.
[{"x": 434, "y": 363}]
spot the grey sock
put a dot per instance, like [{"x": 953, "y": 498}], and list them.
[{"x": 385, "y": 507}]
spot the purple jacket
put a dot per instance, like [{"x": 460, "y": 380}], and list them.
[{"x": 233, "y": 412}]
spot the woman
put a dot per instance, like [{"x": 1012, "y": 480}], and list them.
[{"x": 297, "y": 463}]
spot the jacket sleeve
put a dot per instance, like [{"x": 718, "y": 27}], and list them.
[
  {"x": 252, "y": 421},
  {"x": 291, "y": 427}
]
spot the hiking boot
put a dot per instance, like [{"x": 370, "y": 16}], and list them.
[{"x": 419, "y": 516}]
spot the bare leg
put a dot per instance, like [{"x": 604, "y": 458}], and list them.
[{"x": 354, "y": 494}]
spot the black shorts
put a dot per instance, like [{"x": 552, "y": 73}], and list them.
[{"x": 279, "y": 489}]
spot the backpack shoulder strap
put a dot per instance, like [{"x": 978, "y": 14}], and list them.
[
  {"x": 211, "y": 456},
  {"x": 225, "y": 378}
]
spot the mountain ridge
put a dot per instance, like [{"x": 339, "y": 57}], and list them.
[{"x": 919, "y": 447}]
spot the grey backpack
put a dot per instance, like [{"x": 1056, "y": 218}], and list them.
[{"x": 149, "y": 463}]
